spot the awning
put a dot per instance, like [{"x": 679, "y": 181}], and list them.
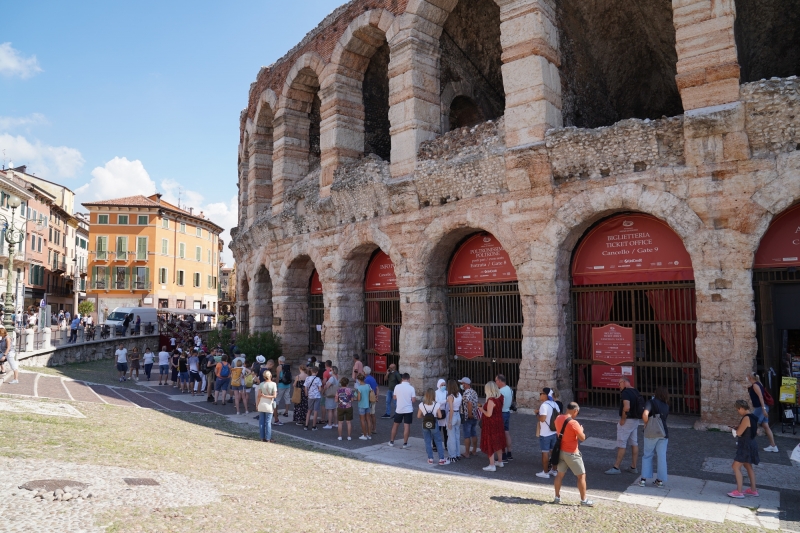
[{"x": 204, "y": 312}]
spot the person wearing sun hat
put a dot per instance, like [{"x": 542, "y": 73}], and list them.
[{"x": 469, "y": 408}]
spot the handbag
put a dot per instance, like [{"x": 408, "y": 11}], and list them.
[
  {"x": 296, "y": 395},
  {"x": 654, "y": 429},
  {"x": 555, "y": 455},
  {"x": 372, "y": 397},
  {"x": 330, "y": 392},
  {"x": 265, "y": 405}
]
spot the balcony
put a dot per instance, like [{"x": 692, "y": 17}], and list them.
[
  {"x": 99, "y": 285},
  {"x": 101, "y": 256},
  {"x": 59, "y": 267},
  {"x": 139, "y": 285}
]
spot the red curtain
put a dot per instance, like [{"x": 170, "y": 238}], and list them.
[
  {"x": 678, "y": 305},
  {"x": 592, "y": 307}
]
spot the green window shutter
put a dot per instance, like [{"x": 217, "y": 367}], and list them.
[
  {"x": 146, "y": 277},
  {"x": 141, "y": 248},
  {"x": 94, "y": 277}
]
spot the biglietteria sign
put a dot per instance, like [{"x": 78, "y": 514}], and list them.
[{"x": 629, "y": 249}]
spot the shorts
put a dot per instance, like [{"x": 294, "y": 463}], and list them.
[
  {"x": 122, "y": 367},
  {"x": 506, "y": 420},
  {"x": 163, "y": 369},
  {"x": 183, "y": 377},
  {"x": 222, "y": 384},
  {"x": 331, "y": 403},
  {"x": 761, "y": 415},
  {"x": 402, "y": 418},
  {"x": 363, "y": 410},
  {"x": 344, "y": 414},
  {"x": 239, "y": 388},
  {"x": 573, "y": 461},
  {"x": 469, "y": 428},
  {"x": 195, "y": 376},
  {"x": 372, "y": 407},
  {"x": 12, "y": 360},
  {"x": 313, "y": 404},
  {"x": 546, "y": 443},
  {"x": 628, "y": 433},
  {"x": 135, "y": 364}
]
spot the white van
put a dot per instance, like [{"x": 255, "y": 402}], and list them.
[{"x": 116, "y": 319}]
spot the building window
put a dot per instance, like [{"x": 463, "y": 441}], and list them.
[
  {"x": 141, "y": 248},
  {"x": 180, "y": 278},
  {"x": 209, "y": 257},
  {"x": 182, "y": 250},
  {"x": 196, "y": 280},
  {"x": 199, "y": 232},
  {"x": 122, "y": 219},
  {"x": 165, "y": 223},
  {"x": 142, "y": 278},
  {"x": 198, "y": 253},
  {"x": 162, "y": 276},
  {"x": 39, "y": 246},
  {"x": 102, "y": 219},
  {"x": 102, "y": 248},
  {"x": 144, "y": 220},
  {"x": 164, "y": 246},
  {"x": 99, "y": 277},
  {"x": 163, "y": 303},
  {"x": 183, "y": 227},
  {"x": 121, "y": 277},
  {"x": 180, "y": 304},
  {"x": 122, "y": 248}
]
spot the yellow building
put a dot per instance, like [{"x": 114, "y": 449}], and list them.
[{"x": 146, "y": 252}]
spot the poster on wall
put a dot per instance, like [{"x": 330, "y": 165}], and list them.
[
  {"x": 612, "y": 344},
  {"x": 380, "y": 274},
  {"x": 780, "y": 245},
  {"x": 380, "y": 364},
  {"x": 608, "y": 376},
  {"x": 469, "y": 342},
  {"x": 481, "y": 259},
  {"x": 630, "y": 249},
  {"x": 383, "y": 340}
]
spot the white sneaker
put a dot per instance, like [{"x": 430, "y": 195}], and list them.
[
  {"x": 362, "y": 437},
  {"x": 339, "y": 438},
  {"x": 501, "y": 465},
  {"x": 554, "y": 473},
  {"x": 490, "y": 468},
  {"x": 327, "y": 427},
  {"x": 369, "y": 438},
  {"x": 767, "y": 449},
  {"x": 543, "y": 475},
  {"x": 349, "y": 438},
  {"x": 13, "y": 382}
]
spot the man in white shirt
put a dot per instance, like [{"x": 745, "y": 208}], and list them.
[
  {"x": 508, "y": 399},
  {"x": 163, "y": 366},
  {"x": 198, "y": 342},
  {"x": 547, "y": 437},
  {"x": 122, "y": 362},
  {"x": 405, "y": 396}
]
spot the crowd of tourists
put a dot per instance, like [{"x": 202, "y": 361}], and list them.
[{"x": 451, "y": 415}]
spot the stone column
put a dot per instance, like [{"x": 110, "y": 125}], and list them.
[
  {"x": 259, "y": 175},
  {"x": 708, "y": 67},
  {"x": 342, "y": 127},
  {"x": 243, "y": 170},
  {"x": 424, "y": 334},
  {"x": 290, "y": 154},
  {"x": 529, "y": 36},
  {"x": 414, "y": 110},
  {"x": 291, "y": 306},
  {"x": 343, "y": 332}
]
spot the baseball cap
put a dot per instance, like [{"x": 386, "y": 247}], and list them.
[
  {"x": 260, "y": 359},
  {"x": 465, "y": 380}
]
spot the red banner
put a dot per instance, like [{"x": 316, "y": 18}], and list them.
[
  {"x": 316, "y": 284},
  {"x": 379, "y": 364},
  {"x": 469, "y": 342},
  {"x": 608, "y": 376},
  {"x": 481, "y": 259},
  {"x": 629, "y": 249},
  {"x": 612, "y": 344},
  {"x": 383, "y": 340},
  {"x": 380, "y": 274},
  {"x": 780, "y": 245}
]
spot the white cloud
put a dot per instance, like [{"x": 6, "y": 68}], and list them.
[
  {"x": 12, "y": 63},
  {"x": 119, "y": 177},
  {"x": 12, "y": 123},
  {"x": 51, "y": 162}
]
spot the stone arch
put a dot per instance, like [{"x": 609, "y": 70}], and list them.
[
  {"x": 772, "y": 200},
  {"x": 261, "y": 301},
  {"x": 260, "y": 147},
  {"x": 356, "y": 91},
  {"x": 767, "y": 36},
  {"x": 242, "y": 298},
  {"x": 451, "y": 91},
  {"x": 297, "y": 126}
]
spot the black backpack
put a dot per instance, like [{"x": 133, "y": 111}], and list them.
[
  {"x": 429, "y": 420},
  {"x": 286, "y": 375},
  {"x": 638, "y": 409},
  {"x": 553, "y": 415}
]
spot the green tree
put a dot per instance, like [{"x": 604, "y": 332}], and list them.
[
  {"x": 265, "y": 343},
  {"x": 86, "y": 307}
]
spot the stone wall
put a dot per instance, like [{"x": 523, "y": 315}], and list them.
[{"x": 772, "y": 108}]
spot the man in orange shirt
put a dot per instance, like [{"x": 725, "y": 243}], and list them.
[{"x": 571, "y": 432}]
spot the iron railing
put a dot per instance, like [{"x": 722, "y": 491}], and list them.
[
  {"x": 316, "y": 316},
  {"x": 382, "y": 308}
]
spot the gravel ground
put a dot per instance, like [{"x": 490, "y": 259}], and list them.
[{"x": 236, "y": 482}]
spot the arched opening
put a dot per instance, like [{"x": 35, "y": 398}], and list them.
[
  {"x": 243, "y": 311},
  {"x": 261, "y": 311},
  {"x": 464, "y": 112},
  {"x": 618, "y": 61},
  {"x": 767, "y": 39},
  {"x": 471, "y": 51},
  {"x": 314, "y": 133},
  {"x": 776, "y": 284},
  {"x": 375, "y": 89},
  {"x": 292, "y": 304},
  {"x": 484, "y": 311},
  {"x": 382, "y": 317},
  {"x": 632, "y": 313},
  {"x": 259, "y": 177},
  {"x": 316, "y": 315}
]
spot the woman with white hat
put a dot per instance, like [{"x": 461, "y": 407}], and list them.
[{"x": 441, "y": 399}]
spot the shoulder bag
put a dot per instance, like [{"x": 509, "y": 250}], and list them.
[
  {"x": 330, "y": 392},
  {"x": 296, "y": 394},
  {"x": 654, "y": 429},
  {"x": 555, "y": 455},
  {"x": 372, "y": 397},
  {"x": 265, "y": 405}
]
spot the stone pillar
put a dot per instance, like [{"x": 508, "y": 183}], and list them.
[
  {"x": 414, "y": 110},
  {"x": 291, "y": 306},
  {"x": 27, "y": 340},
  {"x": 424, "y": 334},
  {"x": 243, "y": 196},
  {"x": 259, "y": 175},
  {"x": 529, "y": 36},
  {"x": 290, "y": 154},
  {"x": 343, "y": 331},
  {"x": 342, "y": 127},
  {"x": 708, "y": 67},
  {"x": 47, "y": 339}
]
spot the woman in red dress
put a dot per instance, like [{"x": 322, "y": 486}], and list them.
[{"x": 493, "y": 437}]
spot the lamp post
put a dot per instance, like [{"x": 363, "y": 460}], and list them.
[{"x": 13, "y": 236}]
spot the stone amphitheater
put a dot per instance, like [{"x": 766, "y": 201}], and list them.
[{"x": 535, "y": 136}]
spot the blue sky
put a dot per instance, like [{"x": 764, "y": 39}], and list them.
[{"x": 119, "y": 98}]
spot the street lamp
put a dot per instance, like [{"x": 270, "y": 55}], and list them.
[{"x": 14, "y": 235}]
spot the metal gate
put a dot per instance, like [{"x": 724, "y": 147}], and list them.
[
  {"x": 382, "y": 308},
  {"x": 243, "y": 322},
  {"x": 497, "y": 309},
  {"x": 316, "y": 316},
  {"x": 664, "y": 326}
]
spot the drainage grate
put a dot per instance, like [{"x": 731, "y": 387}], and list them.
[
  {"x": 140, "y": 481},
  {"x": 50, "y": 485}
]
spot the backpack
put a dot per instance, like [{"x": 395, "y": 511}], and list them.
[
  {"x": 429, "y": 420},
  {"x": 286, "y": 376},
  {"x": 225, "y": 371},
  {"x": 248, "y": 380},
  {"x": 553, "y": 415},
  {"x": 769, "y": 401},
  {"x": 637, "y": 405},
  {"x": 236, "y": 376}
]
